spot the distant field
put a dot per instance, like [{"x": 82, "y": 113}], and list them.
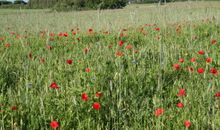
[
  {"x": 144, "y": 67},
  {"x": 130, "y": 16}
]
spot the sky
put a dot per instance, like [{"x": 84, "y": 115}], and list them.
[{"x": 14, "y": 0}]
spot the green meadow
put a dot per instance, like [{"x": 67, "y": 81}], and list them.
[{"x": 143, "y": 67}]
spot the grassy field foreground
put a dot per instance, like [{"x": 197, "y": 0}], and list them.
[{"x": 151, "y": 71}]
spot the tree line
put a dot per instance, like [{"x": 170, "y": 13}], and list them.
[
  {"x": 77, "y": 4},
  {"x": 62, "y": 5}
]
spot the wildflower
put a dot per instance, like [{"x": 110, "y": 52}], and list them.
[
  {"x": 157, "y": 29},
  {"x": 180, "y": 105},
  {"x": 86, "y": 50},
  {"x": 90, "y": 30},
  {"x": 98, "y": 94},
  {"x": 54, "y": 124},
  {"x": 60, "y": 34},
  {"x": 158, "y": 112},
  {"x": 87, "y": 70},
  {"x": 129, "y": 47},
  {"x": 69, "y": 61},
  {"x": 213, "y": 71},
  {"x": 193, "y": 59},
  {"x": 49, "y": 47},
  {"x": 201, "y": 52},
  {"x": 42, "y": 60},
  {"x": 84, "y": 97},
  {"x": 217, "y": 95},
  {"x": 65, "y": 34},
  {"x": 54, "y": 85},
  {"x": 74, "y": 33},
  {"x": 182, "y": 92},
  {"x": 208, "y": 60},
  {"x": 7, "y": 45},
  {"x": 30, "y": 55},
  {"x": 52, "y": 34},
  {"x": 119, "y": 54},
  {"x": 96, "y": 106},
  {"x": 181, "y": 60},
  {"x": 187, "y": 123},
  {"x": 200, "y": 70},
  {"x": 176, "y": 66},
  {"x": 190, "y": 69},
  {"x": 213, "y": 41},
  {"x": 120, "y": 43},
  {"x": 14, "y": 108},
  {"x": 110, "y": 46}
]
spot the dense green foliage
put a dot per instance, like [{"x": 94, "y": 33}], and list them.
[
  {"x": 77, "y": 4},
  {"x": 4, "y": 2}
]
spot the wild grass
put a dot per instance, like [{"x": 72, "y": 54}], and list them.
[{"x": 136, "y": 77}]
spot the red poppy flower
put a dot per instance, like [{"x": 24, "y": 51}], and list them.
[
  {"x": 190, "y": 69},
  {"x": 52, "y": 34},
  {"x": 87, "y": 70},
  {"x": 157, "y": 29},
  {"x": 7, "y": 45},
  {"x": 200, "y": 70},
  {"x": 176, "y": 66},
  {"x": 96, "y": 106},
  {"x": 182, "y": 92},
  {"x": 201, "y": 52},
  {"x": 213, "y": 41},
  {"x": 193, "y": 59},
  {"x": 119, "y": 54},
  {"x": 1, "y": 38},
  {"x": 121, "y": 34},
  {"x": 60, "y": 34},
  {"x": 49, "y": 47},
  {"x": 86, "y": 50},
  {"x": 158, "y": 112},
  {"x": 30, "y": 55},
  {"x": 54, "y": 124},
  {"x": 14, "y": 108},
  {"x": 181, "y": 60},
  {"x": 109, "y": 46},
  {"x": 69, "y": 61},
  {"x": 54, "y": 85},
  {"x": 65, "y": 34},
  {"x": 129, "y": 47},
  {"x": 217, "y": 95},
  {"x": 208, "y": 60},
  {"x": 180, "y": 105},
  {"x": 51, "y": 39},
  {"x": 12, "y": 33},
  {"x": 98, "y": 94},
  {"x": 213, "y": 71},
  {"x": 42, "y": 60},
  {"x": 120, "y": 43},
  {"x": 84, "y": 97},
  {"x": 74, "y": 33},
  {"x": 187, "y": 123},
  {"x": 90, "y": 30}
]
